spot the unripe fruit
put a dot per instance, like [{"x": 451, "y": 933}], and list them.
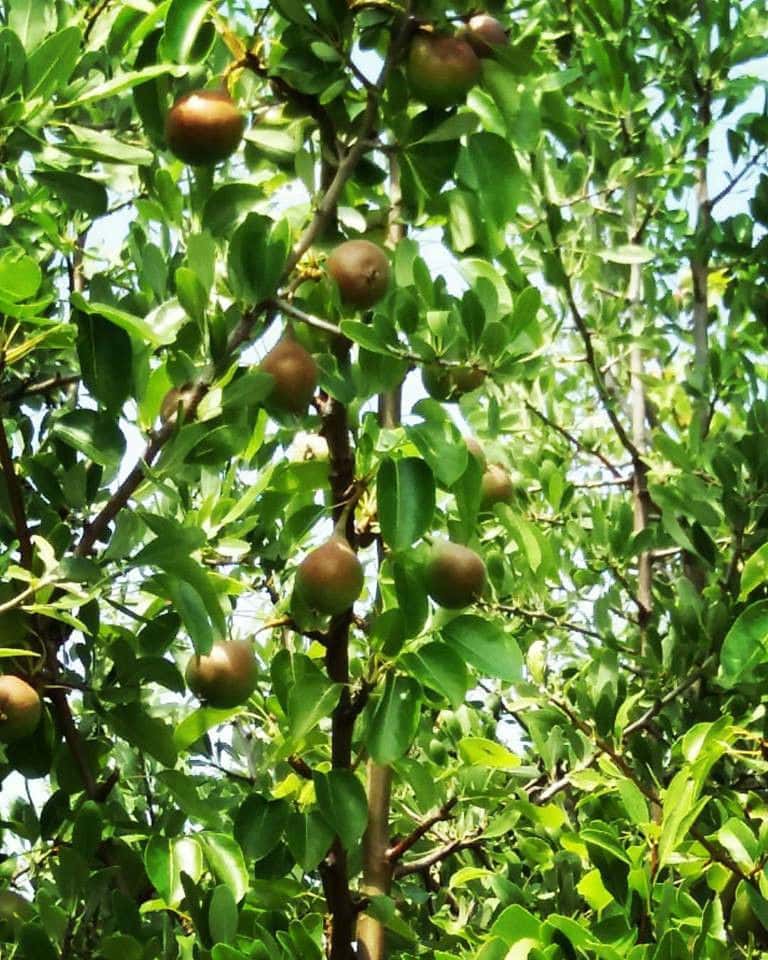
[
  {"x": 484, "y": 32},
  {"x": 361, "y": 271},
  {"x": 496, "y": 486},
  {"x": 330, "y": 578},
  {"x": 295, "y": 375},
  {"x": 743, "y": 919},
  {"x": 20, "y": 708},
  {"x": 204, "y": 127},
  {"x": 226, "y": 676},
  {"x": 441, "y": 69},
  {"x": 451, "y": 383},
  {"x": 455, "y": 575}
]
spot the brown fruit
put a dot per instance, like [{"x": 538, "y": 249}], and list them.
[
  {"x": 496, "y": 486},
  {"x": 455, "y": 575},
  {"x": 204, "y": 127},
  {"x": 441, "y": 70},
  {"x": 226, "y": 676},
  {"x": 330, "y": 578},
  {"x": 20, "y": 708},
  {"x": 484, "y": 32},
  {"x": 361, "y": 271},
  {"x": 295, "y": 375}
]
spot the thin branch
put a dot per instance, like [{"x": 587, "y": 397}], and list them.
[
  {"x": 734, "y": 181},
  {"x": 436, "y": 856},
  {"x": 533, "y": 615},
  {"x": 395, "y": 852},
  {"x": 590, "y": 451},
  {"x": 30, "y": 387}
]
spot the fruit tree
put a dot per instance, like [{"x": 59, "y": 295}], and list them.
[{"x": 383, "y": 480}]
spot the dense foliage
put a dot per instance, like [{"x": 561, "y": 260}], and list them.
[{"x": 572, "y": 762}]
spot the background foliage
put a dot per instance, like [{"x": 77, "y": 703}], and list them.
[{"x": 577, "y": 762}]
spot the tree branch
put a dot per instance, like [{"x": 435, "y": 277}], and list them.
[
  {"x": 16, "y": 499},
  {"x": 436, "y": 856},
  {"x": 395, "y": 852}
]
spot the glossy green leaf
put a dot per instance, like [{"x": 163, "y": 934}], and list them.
[
  {"x": 78, "y": 192},
  {"x": 222, "y": 915},
  {"x": 437, "y": 666},
  {"x": 309, "y": 838},
  {"x": 485, "y": 645},
  {"x": 52, "y": 63},
  {"x": 12, "y": 62},
  {"x": 259, "y": 825},
  {"x": 745, "y": 648},
  {"x": 395, "y": 719},
  {"x": 480, "y": 752},
  {"x": 342, "y": 801},
  {"x": 165, "y": 860},
  {"x": 95, "y": 435},
  {"x": 198, "y": 723},
  {"x": 405, "y": 491},
  {"x": 225, "y": 860},
  {"x": 182, "y": 26}
]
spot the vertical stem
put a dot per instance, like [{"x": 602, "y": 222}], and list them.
[
  {"x": 377, "y": 870},
  {"x": 700, "y": 257},
  {"x": 640, "y": 499}
]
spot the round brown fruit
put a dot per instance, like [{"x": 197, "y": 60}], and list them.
[
  {"x": 455, "y": 575},
  {"x": 330, "y": 578},
  {"x": 496, "y": 486},
  {"x": 226, "y": 676},
  {"x": 441, "y": 70},
  {"x": 295, "y": 375},
  {"x": 204, "y": 127},
  {"x": 484, "y": 32},
  {"x": 361, "y": 272},
  {"x": 20, "y": 708}
]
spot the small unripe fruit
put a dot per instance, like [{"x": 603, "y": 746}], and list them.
[
  {"x": 441, "y": 70},
  {"x": 20, "y": 708},
  {"x": 484, "y": 32},
  {"x": 451, "y": 383},
  {"x": 204, "y": 127},
  {"x": 361, "y": 271},
  {"x": 330, "y": 578},
  {"x": 226, "y": 676},
  {"x": 455, "y": 575},
  {"x": 295, "y": 375},
  {"x": 496, "y": 486}
]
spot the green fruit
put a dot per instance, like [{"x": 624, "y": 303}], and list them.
[
  {"x": 15, "y": 910},
  {"x": 455, "y": 575},
  {"x": 226, "y": 676},
  {"x": 330, "y": 578},
  {"x": 438, "y": 752},
  {"x": 441, "y": 69},
  {"x": 295, "y": 375},
  {"x": 20, "y": 708},
  {"x": 450, "y": 383},
  {"x": 204, "y": 127},
  {"x": 361, "y": 271},
  {"x": 496, "y": 486},
  {"x": 484, "y": 32}
]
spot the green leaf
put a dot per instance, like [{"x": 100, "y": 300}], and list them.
[
  {"x": 156, "y": 336},
  {"x": 740, "y": 842},
  {"x": 395, "y": 719},
  {"x": 309, "y": 838},
  {"x": 515, "y": 924},
  {"x": 257, "y": 254},
  {"x": 20, "y": 276},
  {"x": 124, "y": 81},
  {"x": 629, "y": 253},
  {"x": 165, "y": 860},
  {"x": 486, "y": 646},
  {"x": 52, "y": 63},
  {"x": 310, "y": 700},
  {"x": 79, "y": 193},
  {"x": 755, "y": 572},
  {"x": 437, "y": 666},
  {"x": 99, "y": 145},
  {"x": 745, "y": 648},
  {"x": 92, "y": 433},
  {"x": 342, "y": 801},
  {"x": 226, "y": 206},
  {"x": 105, "y": 356},
  {"x": 198, "y": 723},
  {"x": 225, "y": 859},
  {"x": 479, "y": 752},
  {"x": 31, "y": 20},
  {"x": 12, "y": 62},
  {"x": 259, "y": 825},
  {"x": 405, "y": 491},
  {"x": 190, "y": 607},
  {"x": 147, "y": 733},
  {"x": 222, "y": 915},
  {"x": 440, "y": 443},
  {"x": 182, "y": 26}
]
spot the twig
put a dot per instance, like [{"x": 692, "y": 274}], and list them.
[
  {"x": 395, "y": 852},
  {"x": 436, "y": 856},
  {"x": 16, "y": 499},
  {"x": 573, "y": 440},
  {"x": 733, "y": 181}
]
